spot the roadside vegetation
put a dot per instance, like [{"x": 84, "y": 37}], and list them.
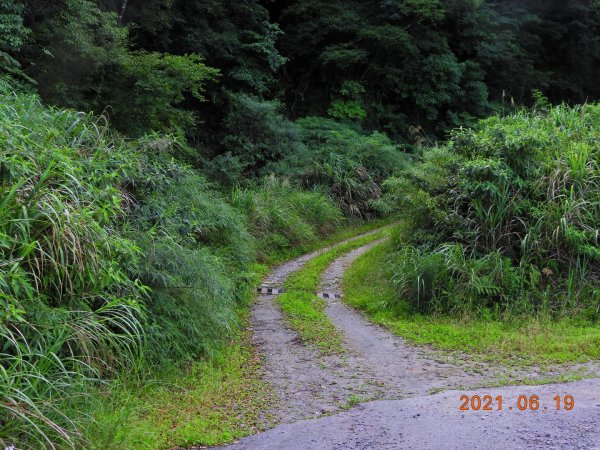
[
  {"x": 498, "y": 248},
  {"x": 104, "y": 275},
  {"x": 220, "y": 138},
  {"x": 214, "y": 401},
  {"x": 507, "y": 340}
]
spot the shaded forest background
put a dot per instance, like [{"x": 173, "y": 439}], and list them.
[{"x": 230, "y": 76}]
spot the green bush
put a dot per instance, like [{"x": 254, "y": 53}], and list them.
[
  {"x": 197, "y": 251},
  {"x": 70, "y": 314},
  {"x": 349, "y": 164},
  {"x": 517, "y": 199},
  {"x": 256, "y": 136},
  {"x": 375, "y": 151},
  {"x": 153, "y": 91},
  {"x": 451, "y": 280},
  {"x": 115, "y": 255},
  {"x": 348, "y": 182},
  {"x": 283, "y": 216}
]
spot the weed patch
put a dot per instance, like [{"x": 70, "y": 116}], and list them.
[{"x": 529, "y": 339}]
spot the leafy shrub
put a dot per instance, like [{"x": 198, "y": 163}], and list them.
[
  {"x": 256, "y": 136},
  {"x": 349, "y": 183},
  {"x": 88, "y": 223},
  {"x": 149, "y": 91},
  {"x": 516, "y": 198},
  {"x": 349, "y": 164},
  {"x": 283, "y": 216},
  {"x": 197, "y": 250},
  {"x": 72, "y": 49},
  {"x": 375, "y": 151},
  {"x": 116, "y": 255},
  {"x": 535, "y": 199},
  {"x": 13, "y": 34},
  {"x": 69, "y": 311},
  {"x": 451, "y": 280}
]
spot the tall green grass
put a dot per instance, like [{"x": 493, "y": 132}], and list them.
[
  {"x": 505, "y": 217},
  {"x": 118, "y": 261},
  {"x": 197, "y": 253},
  {"x": 282, "y": 216},
  {"x": 70, "y": 314},
  {"x": 508, "y": 338}
]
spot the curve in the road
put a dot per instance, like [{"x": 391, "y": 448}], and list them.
[{"x": 379, "y": 365}]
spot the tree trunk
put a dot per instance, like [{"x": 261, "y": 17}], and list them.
[{"x": 122, "y": 13}]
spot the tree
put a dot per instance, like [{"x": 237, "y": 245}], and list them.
[
  {"x": 74, "y": 46},
  {"x": 13, "y": 34},
  {"x": 153, "y": 91},
  {"x": 239, "y": 39},
  {"x": 400, "y": 53}
]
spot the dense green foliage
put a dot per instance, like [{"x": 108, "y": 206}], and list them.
[
  {"x": 283, "y": 217},
  {"x": 533, "y": 339},
  {"x": 217, "y": 73},
  {"x": 505, "y": 216},
  {"x": 196, "y": 254},
  {"x": 383, "y": 65},
  {"x": 395, "y": 64},
  {"x": 100, "y": 270},
  {"x": 69, "y": 311},
  {"x": 226, "y": 134}
]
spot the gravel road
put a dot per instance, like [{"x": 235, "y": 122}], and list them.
[
  {"x": 380, "y": 366},
  {"x": 435, "y": 422},
  {"x": 401, "y": 369},
  {"x": 304, "y": 384}
]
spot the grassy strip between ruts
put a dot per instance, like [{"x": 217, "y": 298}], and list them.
[
  {"x": 347, "y": 231},
  {"x": 213, "y": 402},
  {"x": 533, "y": 340},
  {"x": 351, "y": 229},
  {"x": 304, "y": 310}
]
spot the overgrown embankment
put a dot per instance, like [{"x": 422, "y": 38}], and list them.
[
  {"x": 499, "y": 250},
  {"x": 119, "y": 261}
]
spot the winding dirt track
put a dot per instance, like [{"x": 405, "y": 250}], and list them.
[{"x": 381, "y": 366}]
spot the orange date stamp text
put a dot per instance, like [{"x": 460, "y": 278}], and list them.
[{"x": 521, "y": 403}]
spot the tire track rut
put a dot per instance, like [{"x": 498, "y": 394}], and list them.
[
  {"x": 397, "y": 367},
  {"x": 305, "y": 384},
  {"x": 376, "y": 365},
  {"x": 381, "y": 366}
]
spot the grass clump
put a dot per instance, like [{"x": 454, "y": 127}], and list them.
[
  {"x": 197, "y": 252},
  {"x": 214, "y": 402},
  {"x": 304, "y": 310},
  {"x": 283, "y": 217},
  {"x": 504, "y": 218},
  {"x": 529, "y": 339},
  {"x": 70, "y": 313},
  {"x": 498, "y": 252}
]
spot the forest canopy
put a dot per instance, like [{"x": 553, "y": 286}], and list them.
[{"x": 378, "y": 65}]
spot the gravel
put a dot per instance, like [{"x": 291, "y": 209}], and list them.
[
  {"x": 380, "y": 366},
  {"x": 435, "y": 422}
]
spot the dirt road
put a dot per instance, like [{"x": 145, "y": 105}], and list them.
[
  {"x": 435, "y": 422},
  {"x": 380, "y": 366}
]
